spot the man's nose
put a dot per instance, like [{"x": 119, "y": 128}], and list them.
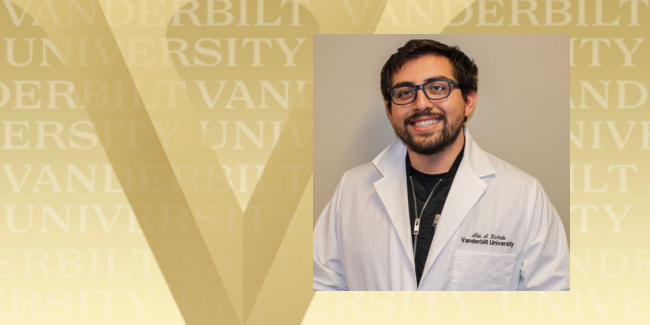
[{"x": 422, "y": 102}]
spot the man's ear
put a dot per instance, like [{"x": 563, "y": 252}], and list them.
[
  {"x": 388, "y": 111},
  {"x": 470, "y": 103}
]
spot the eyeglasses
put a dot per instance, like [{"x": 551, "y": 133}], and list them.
[{"x": 435, "y": 89}]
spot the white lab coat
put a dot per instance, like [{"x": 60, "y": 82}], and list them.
[{"x": 362, "y": 240}]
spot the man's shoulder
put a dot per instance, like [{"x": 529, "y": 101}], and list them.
[
  {"x": 388, "y": 160},
  {"x": 363, "y": 174},
  {"x": 506, "y": 172},
  {"x": 496, "y": 170}
]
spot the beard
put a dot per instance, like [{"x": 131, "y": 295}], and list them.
[{"x": 430, "y": 144}]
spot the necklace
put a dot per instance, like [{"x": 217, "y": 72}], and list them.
[{"x": 416, "y": 225}]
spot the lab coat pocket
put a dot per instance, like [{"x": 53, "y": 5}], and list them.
[{"x": 482, "y": 272}]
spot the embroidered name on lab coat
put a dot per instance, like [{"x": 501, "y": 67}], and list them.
[{"x": 487, "y": 239}]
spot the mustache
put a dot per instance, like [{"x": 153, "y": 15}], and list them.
[{"x": 439, "y": 116}]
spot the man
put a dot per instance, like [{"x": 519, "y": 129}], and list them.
[{"x": 433, "y": 211}]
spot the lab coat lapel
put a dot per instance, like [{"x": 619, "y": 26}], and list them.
[
  {"x": 465, "y": 191},
  {"x": 391, "y": 189}
]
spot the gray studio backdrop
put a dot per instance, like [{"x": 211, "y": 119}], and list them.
[{"x": 521, "y": 115}]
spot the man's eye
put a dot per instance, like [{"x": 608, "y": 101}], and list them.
[
  {"x": 437, "y": 88},
  {"x": 405, "y": 93}
]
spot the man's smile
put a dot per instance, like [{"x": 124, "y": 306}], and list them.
[{"x": 424, "y": 123}]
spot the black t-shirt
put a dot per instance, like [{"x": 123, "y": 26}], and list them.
[{"x": 423, "y": 185}]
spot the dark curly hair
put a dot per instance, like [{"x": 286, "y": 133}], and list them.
[{"x": 465, "y": 70}]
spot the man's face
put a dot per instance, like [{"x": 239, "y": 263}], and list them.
[{"x": 429, "y": 126}]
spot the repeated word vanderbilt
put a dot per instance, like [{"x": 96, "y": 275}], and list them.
[
  {"x": 203, "y": 13},
  {"x": 233, "y": 135},
  {"x": 103, "y": 178},
  {"x": 274, "y": 95}
]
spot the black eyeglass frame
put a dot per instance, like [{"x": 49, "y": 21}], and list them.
[{"x": 417, "y": 88}]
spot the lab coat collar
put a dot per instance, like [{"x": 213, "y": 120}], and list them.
[
  {"x": 391, "y": 188},
  {"x": 465, "y": 191}
]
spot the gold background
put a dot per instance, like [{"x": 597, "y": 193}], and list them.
[{"x": 154, "y": 204}]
